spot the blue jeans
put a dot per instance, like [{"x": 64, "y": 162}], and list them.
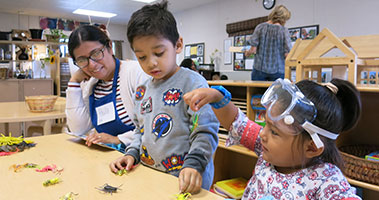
[{"x": 257, "y": 75}]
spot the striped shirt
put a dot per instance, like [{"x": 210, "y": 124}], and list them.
[
  {"x": 272, "y": 42},
  {"x": 102, "y": 89}
]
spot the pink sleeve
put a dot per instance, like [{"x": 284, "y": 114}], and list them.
[{"x": 250, "y": 134}]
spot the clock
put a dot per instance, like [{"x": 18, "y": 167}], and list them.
[{"x": 268, "y": 4}]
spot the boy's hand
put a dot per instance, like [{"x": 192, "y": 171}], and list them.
[
  {"x": 124, "y": 162},
  {"x": 199, "y": 97},
  {"x": 190, "y": 180}
]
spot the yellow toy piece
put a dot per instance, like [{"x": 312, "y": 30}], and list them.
[
  {"x": 52, "y": 181},
  {"x": 68, "y": 196},
  {"x": 183, "y": 196},
  {"x": 121, "y": 172}
]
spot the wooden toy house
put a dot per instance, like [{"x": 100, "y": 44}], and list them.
[{"x": 360, "y": 59}]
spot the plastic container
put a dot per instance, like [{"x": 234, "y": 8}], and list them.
[{"x": 36, "y": 33}]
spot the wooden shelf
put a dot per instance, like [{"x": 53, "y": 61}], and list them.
[
  {"x": 368, "y": 89},
  {"x": 31, "y": 42},
  {"x": 363, "y": 184},
  {"x": 237, "y": 148}
]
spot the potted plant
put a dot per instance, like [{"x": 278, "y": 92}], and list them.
[{"x": 55, "y": 35}]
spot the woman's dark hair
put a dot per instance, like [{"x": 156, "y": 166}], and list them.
[
  {"x": 187, "y": 63},
  {"x": 86, "y": 33},
  {"x": 335, "y": 112},
  {"x": 153, "y": 20}
]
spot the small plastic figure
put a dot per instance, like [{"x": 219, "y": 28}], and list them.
[
  {"x": 121, "y": 172},
  {"x": 109, "y": 189},
  {"x": 68, "y": 196},
  {"x": 52, "y": 181},
  {"x": 183, "y": 196}
]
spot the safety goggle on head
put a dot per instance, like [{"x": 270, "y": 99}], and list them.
[{"x": 286, "y": 104}]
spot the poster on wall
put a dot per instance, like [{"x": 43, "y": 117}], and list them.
[
  {"x": 239, "y": 57},
  {"x": 303, "y": 32},
  {"x": 195, "y": 52},
  {"x": 227, "y": 54}
]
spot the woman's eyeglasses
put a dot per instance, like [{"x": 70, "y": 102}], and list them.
[{"x": 83, "y": 62}]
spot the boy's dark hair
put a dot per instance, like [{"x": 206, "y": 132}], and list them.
[
  {"x": 153, "y": 20},
  {"x": 86, "y": 33},
  {"x": 187, "y": 63},
  {"x": 335, "y": 112}
]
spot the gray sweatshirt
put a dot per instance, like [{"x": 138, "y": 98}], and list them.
[{"x": 163, "y": 139}]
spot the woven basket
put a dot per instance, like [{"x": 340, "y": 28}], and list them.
[
  {"x": 43, "y": 103},
  {"x": 357, "y": 167}
]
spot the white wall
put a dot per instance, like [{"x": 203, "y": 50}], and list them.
[
  {"x": 13, "y": 21},
  {"x": 208, "y": 23}
]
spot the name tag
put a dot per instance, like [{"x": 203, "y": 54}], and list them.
[{"x": 105, "y": 113}]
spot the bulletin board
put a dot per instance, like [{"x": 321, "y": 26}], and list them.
[
  {"x": 195, "y": 52},
  {"x": 241, "y": 62}
]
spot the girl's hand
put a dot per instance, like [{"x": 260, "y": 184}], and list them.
[
  {"x": 96, "y": 137},
  {"x": 190, "y": 180},
  {"x": 79, "y": 76},
  {"x": 199, "y": 97},
  {"x": 124, "y": 162}
]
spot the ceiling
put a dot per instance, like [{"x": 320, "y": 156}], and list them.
[{"x": 64, "y": 8}]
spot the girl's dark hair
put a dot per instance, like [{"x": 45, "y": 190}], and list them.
[
  {"x": 335, "y": 112},
  {"x": 153, "y": 20},
  {"x": 86, "y": 33}
]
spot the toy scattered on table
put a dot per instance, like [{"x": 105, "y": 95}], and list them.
[
  {"x": 195, "y": 122},
  {"x": 52, "y": 181},
  {"x": 10, "y": 145},
  {"x": 183, "y": 196},
  {"x": 108, "y": 188},
  {"x": 47, "y": 168},
  {"x": 17, "y": 168},
  {"x": 121, "y": 172},
  {"x": 374, "y": 156},
  {"x": 68, "y": 196}
]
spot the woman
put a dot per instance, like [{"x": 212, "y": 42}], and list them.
[
  {"x": 100, "y": 94},
  {"x": 270, "y": 43}
]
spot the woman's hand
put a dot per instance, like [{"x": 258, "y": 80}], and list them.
[
  {"x": 96, "y": 137},
  {"x": 199, "y": 97},
  {"x": 190, "y": 180},
  {"x": 251, "y": 51},
  {"x": 124, "y": 162},
  {"x": 79, "y": 76}
]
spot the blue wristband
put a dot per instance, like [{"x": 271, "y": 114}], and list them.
[{"x": 224, "y": 101}]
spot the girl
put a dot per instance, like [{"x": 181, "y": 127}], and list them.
[{"x": 297, "y": 155}]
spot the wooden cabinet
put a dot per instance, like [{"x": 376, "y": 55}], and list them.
[{"x": 238, "y": 161}]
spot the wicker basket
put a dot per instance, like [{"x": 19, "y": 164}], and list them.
[
  {"x": 357, "y": 167},
  {"x": 43, "y": 103}
]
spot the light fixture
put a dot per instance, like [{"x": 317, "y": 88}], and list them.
[
  {"x": 94, "y": 13},
  {"x": 145, "y": 1}
]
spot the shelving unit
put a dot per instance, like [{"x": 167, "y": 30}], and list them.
[
  {"x": 228, "y": 159},
  {"x": 55, "y": 69}
]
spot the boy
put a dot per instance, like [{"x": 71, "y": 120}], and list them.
[{"x": 169, "y": 136}]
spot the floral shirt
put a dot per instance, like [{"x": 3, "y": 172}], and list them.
[{"x": 322, "y": 181}]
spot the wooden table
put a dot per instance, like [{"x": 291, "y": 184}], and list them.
[
  {"x": 84, "y": 169},
  {"x": 18, "y": 112}
]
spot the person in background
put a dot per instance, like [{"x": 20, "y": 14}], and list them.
[
  {"x": 189, "y": 63},
  {"x": 168, "y": 137},
  {"x": 100, "y": 93},
  {"x": 297, "y": 154},
  {"x": 224, "y": 77},
  {"x": 271, "y": 44}
]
